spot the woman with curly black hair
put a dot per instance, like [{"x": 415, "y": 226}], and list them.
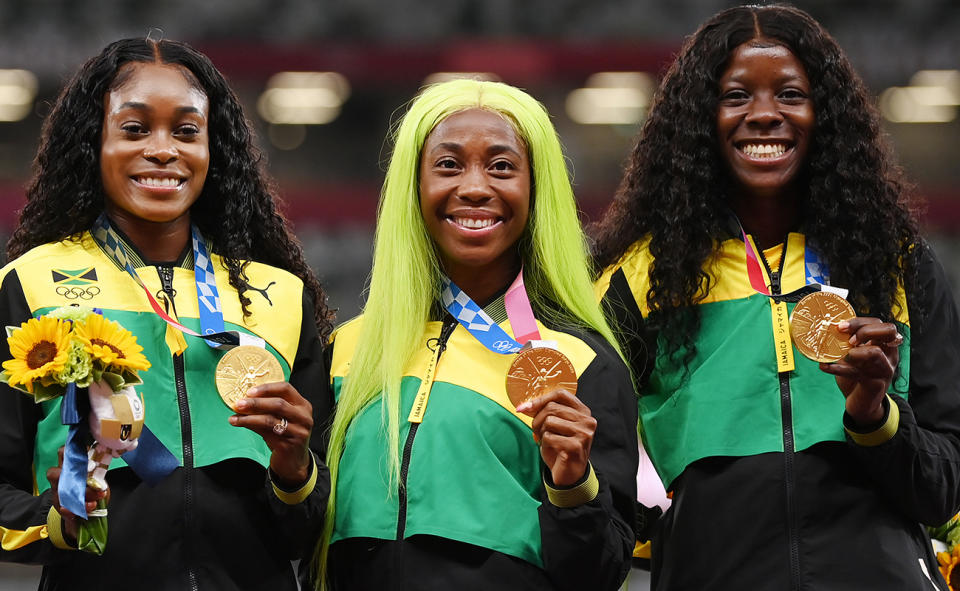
[
  {"x": 147, "y": 190},
  {"x": 760, "y": 177}
]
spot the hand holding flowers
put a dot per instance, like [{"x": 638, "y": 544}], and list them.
[{"x": 53, "y": 355}]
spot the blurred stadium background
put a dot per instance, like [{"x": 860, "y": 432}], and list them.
[{"x": 322, "y": 80}]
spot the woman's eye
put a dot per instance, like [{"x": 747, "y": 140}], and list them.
[
  {"x": 502, "y": 165},
  {"x": 188, "y": 131},
  {"x": 133, "y": 128},
  {"x": 793, "y": 94},
  {"x": 447, "y": 163},
  {"x": 734, "y": 95}
]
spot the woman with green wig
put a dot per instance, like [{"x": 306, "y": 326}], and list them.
[{"x": 485, "y": 429}]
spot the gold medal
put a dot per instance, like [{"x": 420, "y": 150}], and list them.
[
  {"x": 242, "y": 368},
  {"x": 537, "y": 371},
  {"x": 813, "y": 326}
]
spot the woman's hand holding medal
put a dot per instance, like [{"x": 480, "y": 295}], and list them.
[
  {"x": 865, "y": 373},
  {"x": 564, "y": 427},
  {"x": 284, "y": 418}
]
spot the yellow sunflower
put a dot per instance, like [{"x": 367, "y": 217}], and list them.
[
  {"x": 111, "y": 344},
  {"x": 40, "y": 347},
  {"x": 948, "y": 561}
]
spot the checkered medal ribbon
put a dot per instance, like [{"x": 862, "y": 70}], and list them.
[
  {"x": 815, "y": 269},
  {"x": 476, "y": 321},
  {"x": 211, "y": 315}
]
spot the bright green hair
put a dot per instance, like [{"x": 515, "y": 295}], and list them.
[{"x": 405, "y": 282}]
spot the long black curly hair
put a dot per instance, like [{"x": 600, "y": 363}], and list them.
[
  {"x": 674, "y": 190},
  {"x": 237, "y": 208}
]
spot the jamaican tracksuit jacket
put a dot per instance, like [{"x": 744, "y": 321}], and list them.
[
  {"x": 769, "y": 489},
  {"x": 472, "y": 510},
  {"x": 216, "y": 522}
]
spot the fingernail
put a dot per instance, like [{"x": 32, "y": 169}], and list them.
[
  {"x": 233, "y": 419},
  {"x": 843, "y": 325},
  {"x": 243, "y": 403},
  {"x": 524, "y": 406}
]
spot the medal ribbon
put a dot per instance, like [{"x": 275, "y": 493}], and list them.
[
  {"x": 816, "y": 272},
  {"x": 479, "y": 324},
  {"x": 211, "y": 313}
]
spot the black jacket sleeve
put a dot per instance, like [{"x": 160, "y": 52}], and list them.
[
  {"x": 300, "y": 524},
  {"x": 23, "y": 516},
  {"x": 589, "y": 546},
  {"x": 918, "y": 468}
]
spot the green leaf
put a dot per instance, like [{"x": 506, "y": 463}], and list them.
[
  {"x": 114, "y": 380},
  {"x": 130, "y": 378},
  {"x": 43, "y": 393}
]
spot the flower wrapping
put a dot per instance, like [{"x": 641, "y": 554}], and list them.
[{"x": 73, "y": 348}]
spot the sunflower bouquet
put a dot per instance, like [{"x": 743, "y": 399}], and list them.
[
  {"x": 73, "y": 348},
  {"x": 949, "y": 535}
]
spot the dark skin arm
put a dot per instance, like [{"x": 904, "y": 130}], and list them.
[
  {"x": 70, "y": 521},
  {"x": 865, "y": 374},
  {"x": 564, "y": 427},
  {"x": 261, "y": 410}
]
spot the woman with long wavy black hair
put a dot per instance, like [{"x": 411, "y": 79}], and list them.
[
  {"x": 146, "y": 159},
  {"x": 759, "y": 177}
]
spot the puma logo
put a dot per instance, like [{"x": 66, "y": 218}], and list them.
[{"x": 263, "y": 291}]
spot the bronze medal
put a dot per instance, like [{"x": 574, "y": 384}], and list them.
[
  {"x": 537, "y": 371},
  {"x": 242, "y": 368},
  {"x": 813, "y": 326}
]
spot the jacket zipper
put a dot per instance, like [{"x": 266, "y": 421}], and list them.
[
  {"x": 449, "y": 324},
  {"x": 789, "y": 469},
  {"x": 186, "y": 434}
]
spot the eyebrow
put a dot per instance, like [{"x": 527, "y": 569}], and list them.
[
  {"x": 494, "y": 149},
  {"x": 145, "y": 107}
]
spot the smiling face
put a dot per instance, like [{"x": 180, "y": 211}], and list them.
[
  {"x": 154, "y": 154},
  {"x": 475, "y": 196},
  {"x": 764, "y": 118}
]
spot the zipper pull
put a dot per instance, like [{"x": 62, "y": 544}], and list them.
[
  {"x": 167, "y": 292},
  {"x": 775, "y": 282}
]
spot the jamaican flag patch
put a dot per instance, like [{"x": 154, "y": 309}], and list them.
[{"x": 86, "y": 276}]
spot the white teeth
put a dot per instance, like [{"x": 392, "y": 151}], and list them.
[
  {"x": 473, "y": 223},
  {"x": 152, "y": 182},
  {"x": 764, "y": 150}
]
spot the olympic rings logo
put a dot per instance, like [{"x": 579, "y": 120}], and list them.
[
  {"x": 502, "y": 346},
  {"x": 78, "y": 293}
]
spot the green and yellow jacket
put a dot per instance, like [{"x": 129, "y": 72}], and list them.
[
  {"x": 472, "y": 509},
  {"x": 216, "y": 522},
  {"x": 771, "y": 487}
]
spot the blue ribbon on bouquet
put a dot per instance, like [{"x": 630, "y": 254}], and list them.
[
  {"x": 72, "y": 487},
  {"x": 150, "y": 460}
]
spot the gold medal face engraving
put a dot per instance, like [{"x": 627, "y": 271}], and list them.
[
  {"x": 242, "y": 368},
  {"x": 813, "y": 326},
  {"x": 537, "y": 371}
]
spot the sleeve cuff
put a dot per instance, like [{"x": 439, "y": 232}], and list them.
[
  {"x": 296, "y": 497},
  {"x": 882, "y": 434},
  {"x": 55, "y": 530},
  {"x": 577, "y": 495}
]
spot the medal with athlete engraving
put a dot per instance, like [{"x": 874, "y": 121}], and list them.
[
  {"x": 242, "y": 368},
  {"x": 537, "y": 371},
  {"x": 813, "y": 326}
]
